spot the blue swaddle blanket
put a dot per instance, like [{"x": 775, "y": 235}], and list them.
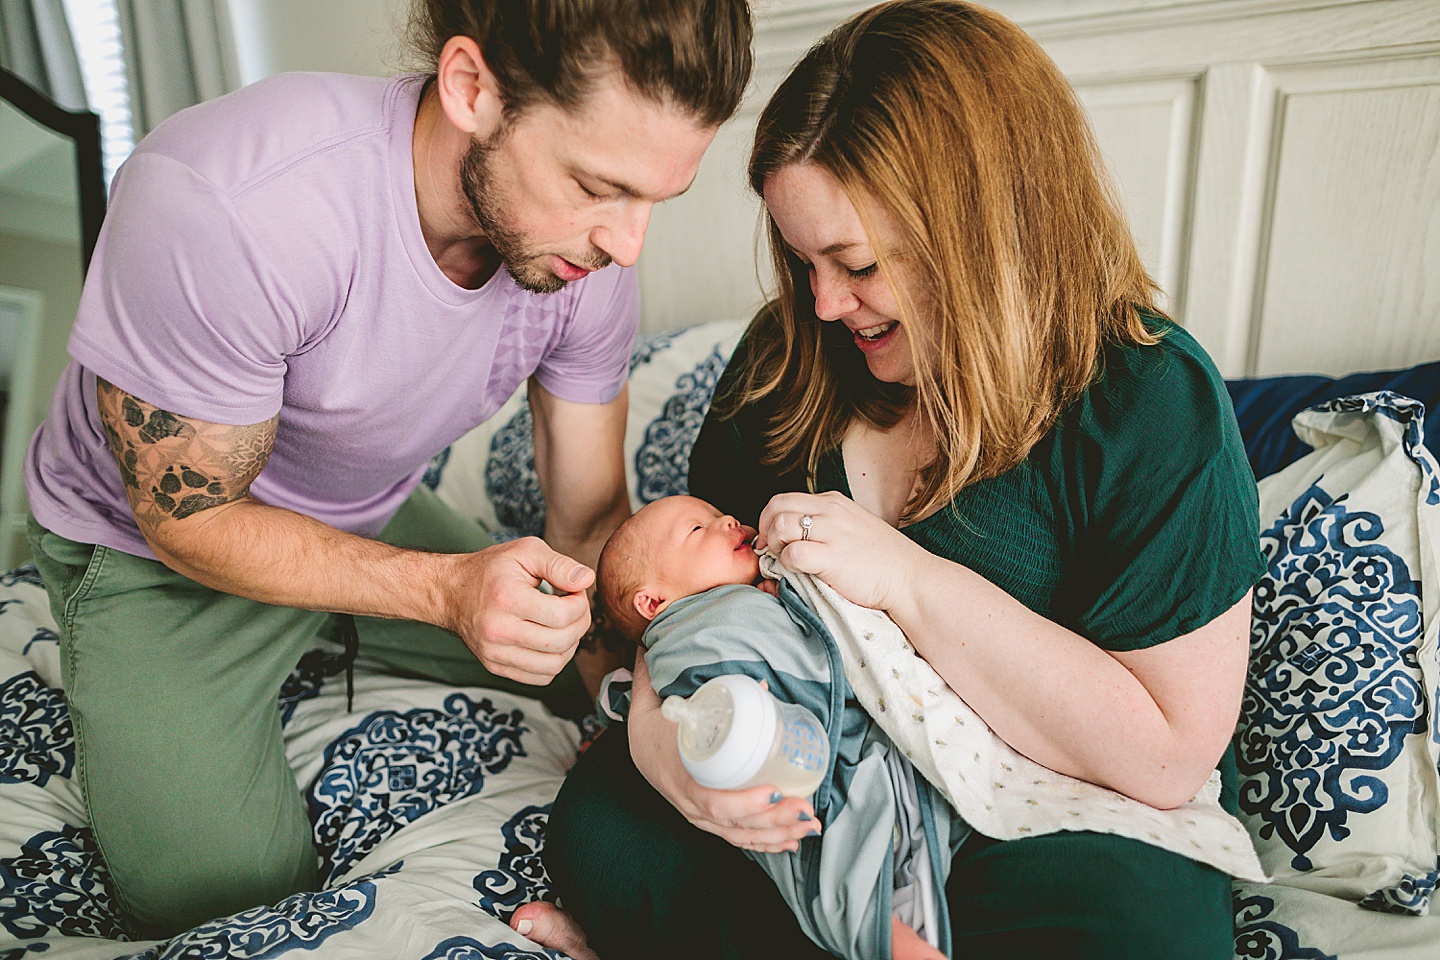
[{"x": 841, "y": 884}]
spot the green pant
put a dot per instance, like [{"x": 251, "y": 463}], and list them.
[
  {"x": 643, "y": 883},
  {"x": 173, "y": 688}
]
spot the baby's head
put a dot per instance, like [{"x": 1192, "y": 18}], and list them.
[{"x": 671, "y": 548}]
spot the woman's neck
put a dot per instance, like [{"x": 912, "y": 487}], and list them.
[{"x": 882, "y": 466}]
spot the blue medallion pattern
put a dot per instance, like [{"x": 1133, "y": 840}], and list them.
[
  {"x": 521, "y": 877},
  {"x": 306, "y": 679},
  {"x": 511, "y": 482},
  {"x": 662, "y": 462},
  {"x": 57, "y": 883},
  {"x": 435, "y": 469},
  {"x": 395, "y": 767},
  {"x": 591, "y": 726},
  {"x": 464, "y": 948},
  {"x": 1410, "y": 897},
  {"x": 36, "y": 739},
  {"x": 41, "y": 635},
  {"x": 25, "y": 573},
  {"x": 1259, "y": 938},
  {"x": 1409, "y": 413},
  {"x": 302, "y": 921},
  {"x": 648, "y": 344},
  {"x": 1333, "y": 688}
]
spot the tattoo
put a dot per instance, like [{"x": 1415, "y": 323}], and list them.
[
  {"x": 604, "y": 635},
  {"x": 174, "y": 467}
]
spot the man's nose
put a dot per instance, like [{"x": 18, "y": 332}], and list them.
[
  {"x": 833, "y": 297},
  {"x": 624, "y": 234}
]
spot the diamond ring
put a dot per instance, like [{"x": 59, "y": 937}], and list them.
[{"x": 806, "y": 522}]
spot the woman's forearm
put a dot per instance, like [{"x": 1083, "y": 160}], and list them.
[
  {"x": 653, "y": 744},
  {"x": 1063, "y": 701}
]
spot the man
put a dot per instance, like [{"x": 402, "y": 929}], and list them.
[{"x": 297, "y": 300}]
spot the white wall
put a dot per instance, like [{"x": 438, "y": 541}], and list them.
[
  {"x": 344, "y": 36},
  {"x": 1280, "y": 161}
]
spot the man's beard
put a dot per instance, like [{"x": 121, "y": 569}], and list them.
[{"x": 525, "y": 265}]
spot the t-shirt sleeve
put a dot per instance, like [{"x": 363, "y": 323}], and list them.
[
  {"x": 181, "y": 308},
  {"x": 1170, "y": 538},
  {"x": 592, "y": 360}
]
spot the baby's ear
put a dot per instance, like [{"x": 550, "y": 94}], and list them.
[{"x": 649, "y": 604}]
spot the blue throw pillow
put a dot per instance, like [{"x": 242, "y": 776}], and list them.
[{"x": 1266, "y": 405}]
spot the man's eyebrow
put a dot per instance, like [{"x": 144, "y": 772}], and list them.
[{"x": 633, "y": 191}]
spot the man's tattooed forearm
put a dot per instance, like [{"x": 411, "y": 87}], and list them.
[{"x": 174, "y": 467}]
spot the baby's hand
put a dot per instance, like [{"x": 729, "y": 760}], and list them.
[{"x": 771, "y": 587}]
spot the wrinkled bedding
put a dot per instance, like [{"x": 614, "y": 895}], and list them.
[{"x": 428, "y": 804}]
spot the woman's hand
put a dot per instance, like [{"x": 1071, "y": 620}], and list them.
[
  {"x": 756, "y": 819},
  {"x": 860, "y": 556}
]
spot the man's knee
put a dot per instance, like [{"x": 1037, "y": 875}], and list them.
[{"x": 169, "y": 893}]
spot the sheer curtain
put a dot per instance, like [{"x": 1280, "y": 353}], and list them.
[
  {"x": 177, "y": 53},
  {"x": 35, "y": 44}
]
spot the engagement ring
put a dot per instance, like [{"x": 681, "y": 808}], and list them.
[{"x": 806, "y": 522}]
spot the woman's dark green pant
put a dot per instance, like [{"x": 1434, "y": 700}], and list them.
[
  {"x": 644, "y": 883},
  {"x": 173, "y": 688}
]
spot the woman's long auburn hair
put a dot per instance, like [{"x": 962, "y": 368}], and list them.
[{"x": 954, "y": 122}]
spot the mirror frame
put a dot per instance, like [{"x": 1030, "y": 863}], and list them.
[{"x": 80, "y": 127}]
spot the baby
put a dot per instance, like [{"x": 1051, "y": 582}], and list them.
[
  {"x": 679, "y": 548},
  {"x": 672, "y": 548}
]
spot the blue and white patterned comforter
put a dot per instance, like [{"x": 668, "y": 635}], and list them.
[{"x": 428, "y": 805}]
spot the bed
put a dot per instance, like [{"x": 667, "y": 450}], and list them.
[{"x": 429, "y": 803}]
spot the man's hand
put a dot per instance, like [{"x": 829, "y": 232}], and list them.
[{"x": 496, "y": 606}]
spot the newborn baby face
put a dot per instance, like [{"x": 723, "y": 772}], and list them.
[{"x": 694, "y": 547}]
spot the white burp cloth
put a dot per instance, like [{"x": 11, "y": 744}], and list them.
[{"x": 998, "y": 791}]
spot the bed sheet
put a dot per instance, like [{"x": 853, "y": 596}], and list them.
[{"x": 428, "y": 805}]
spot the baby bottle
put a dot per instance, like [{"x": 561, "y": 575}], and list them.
[{"x": 734, "y": 734}]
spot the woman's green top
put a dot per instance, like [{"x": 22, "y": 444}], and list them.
[{"x": 1135, "y": 520}]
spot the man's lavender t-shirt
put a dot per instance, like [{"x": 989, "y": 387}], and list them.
[{"x": 263, "y": 254}]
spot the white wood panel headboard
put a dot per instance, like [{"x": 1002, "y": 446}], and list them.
[{"x": 1280, "y": 160}]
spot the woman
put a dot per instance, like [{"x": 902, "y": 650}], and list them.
[{"x": 963, "y": 408}]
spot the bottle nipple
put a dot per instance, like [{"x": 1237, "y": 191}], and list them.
[
  {"x": 704, "y": 720},
  {"x": 675, "y": 709}
]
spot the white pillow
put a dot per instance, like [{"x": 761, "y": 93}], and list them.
[
  {"x": 1337, "y": 749},
  {"x": 489, "y": 474}
]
